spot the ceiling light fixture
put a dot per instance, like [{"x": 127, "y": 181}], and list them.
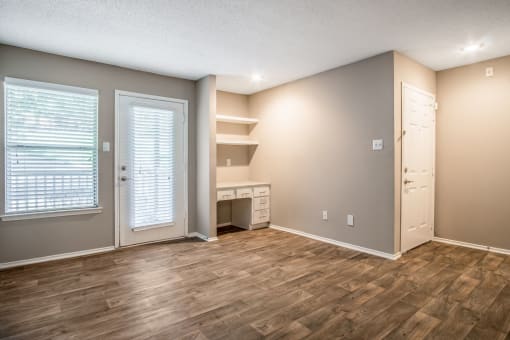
[
  {"x": 256, "y": 77},
  {"x": 472, "y": 47}
]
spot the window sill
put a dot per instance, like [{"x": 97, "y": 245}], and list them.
[{"x": 46, "y": 214}]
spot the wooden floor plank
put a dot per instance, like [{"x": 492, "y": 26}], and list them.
[{"x": 259, "y": 284}]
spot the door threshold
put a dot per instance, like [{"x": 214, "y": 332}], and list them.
[{"x": 151, "y": 242}]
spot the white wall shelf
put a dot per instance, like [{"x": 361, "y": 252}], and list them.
[
  {"x": 230, "y": 141},
  {"x": 236, "y": 120}
]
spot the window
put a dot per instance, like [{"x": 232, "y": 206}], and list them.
[
  {"x": 152, "y": 144},
  {"x": 50, "y": 147}
]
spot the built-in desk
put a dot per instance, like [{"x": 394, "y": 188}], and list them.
[{"x": 250, "y": 202}]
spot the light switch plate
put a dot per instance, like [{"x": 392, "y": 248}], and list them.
[
  {"x": 350, "y": 220},
  {"x": 106, "y": 146},
  {"x": 324, "y": 215},
  {"x": 489, "y": 71},
  {"x": 377, "y": 144},
  {"x": 229, "y": 162}
]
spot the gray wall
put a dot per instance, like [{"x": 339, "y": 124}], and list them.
[
  {"x": 315, "y": 148},
  {"x": 473, "y": 160},
  {"x": 41, "y": 237},
  {"x": 206, "y": 156}
]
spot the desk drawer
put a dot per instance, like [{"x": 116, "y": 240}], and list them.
[
  {"x": 260, "y": 203},
  {"x": 244, "y": 193},
  {"x": 260, "y": 216},
  {"x": 223, "y": 195},
  {"x": 261, "y": 191}
]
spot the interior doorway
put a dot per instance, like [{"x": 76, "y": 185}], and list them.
[{"x": 418, "y": 166}]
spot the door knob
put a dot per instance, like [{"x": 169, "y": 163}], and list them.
[{"x": 406, "y": 181}]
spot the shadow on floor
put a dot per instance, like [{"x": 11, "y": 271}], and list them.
[{"x": 229, "y": 229}]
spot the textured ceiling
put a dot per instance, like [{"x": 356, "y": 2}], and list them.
[{"x": 281, "y": 39}]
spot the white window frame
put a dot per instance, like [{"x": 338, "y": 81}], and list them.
[{"x": 52, "y": 213}]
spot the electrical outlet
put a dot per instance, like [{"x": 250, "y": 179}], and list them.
[
  {"x": 350, "y": 220},
  {"x": 324, "y": 215},
  {"x": 489, "y": 72}
]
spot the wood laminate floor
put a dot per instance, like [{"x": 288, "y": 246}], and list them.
[{"x": 259, "y": 284}]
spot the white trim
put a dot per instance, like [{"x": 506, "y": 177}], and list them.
[
  {"x": 116, "y": 182},
  {"x": 419, "y": 90},
  {"x": 202, "y": 236},
  {"x": 472, "y": 245},
  {"x": 155, "y": 226},
  {"x": 339, "y": 243},
  {"x": 152, "y": 242},
  {"x": 55, "y": 257},
  {"x": 226, "y": 224},
  {"x": 50, "y": 86},
  {"x": 47, "y": 214}
]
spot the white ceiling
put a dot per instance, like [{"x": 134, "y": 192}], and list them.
[{"x": 282, "y": 40}]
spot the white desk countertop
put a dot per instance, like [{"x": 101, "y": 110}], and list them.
[{"x": 239, "y": 184}]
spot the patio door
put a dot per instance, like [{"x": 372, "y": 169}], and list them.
[{"x": 151, "y": 168}]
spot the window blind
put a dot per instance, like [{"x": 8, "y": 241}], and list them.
[
  {"x": 51, "y": 147},
  {"x": 152, "y": 184}
]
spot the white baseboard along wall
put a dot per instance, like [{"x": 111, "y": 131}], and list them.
[
  {"x": 338, "y": 243},
  {"x": 56, "y": 257},
  {"x": 472, "y": 245}
]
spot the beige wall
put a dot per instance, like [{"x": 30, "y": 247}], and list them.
[
  {"x": 413, "y": 73},
  {"x": 231, "y": 104},
  {"x": 206, "y": 157},
  {"x": 473, "y": 160},
  {"x": 41, "y": 237},
  {"x": 315, "y": 148}
]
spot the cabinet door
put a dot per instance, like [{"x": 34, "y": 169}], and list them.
[
  {"x": 261, "y": 191},
  {"x": 260, "y": 203},
  {"x": 260, "y": 216}
]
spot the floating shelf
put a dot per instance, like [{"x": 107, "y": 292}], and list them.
[
  {"x": 236, "y": 120},
  {"x": 222, "y": 140}
]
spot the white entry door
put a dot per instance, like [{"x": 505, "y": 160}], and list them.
[
  {"x": 418, "y": 143},
  {"x": 151, "y": 168}
]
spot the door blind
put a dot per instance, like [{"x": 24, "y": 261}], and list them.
[
  {"x": 152, "y": 144},
  {"x": 51, "y": 147}
]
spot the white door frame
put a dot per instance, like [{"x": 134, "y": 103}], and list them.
[
  {"x": 433, "y": 187},
  {"x": 116, "y": 185}
]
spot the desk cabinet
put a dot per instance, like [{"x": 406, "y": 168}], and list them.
[{"x": 251, "y": 204}]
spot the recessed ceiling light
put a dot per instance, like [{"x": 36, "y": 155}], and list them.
[
  {"x": 472, "y": 47},
  {"x": 256, "y": 77}
]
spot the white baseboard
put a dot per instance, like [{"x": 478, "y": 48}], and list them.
[
  {"x": 12, "y": 264},
  {"x": 339, "y": 243},
  {"x": 202, "y": 236},
  {"x": 472, "y": 245},
  {"x": 226, "y": 224}
]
